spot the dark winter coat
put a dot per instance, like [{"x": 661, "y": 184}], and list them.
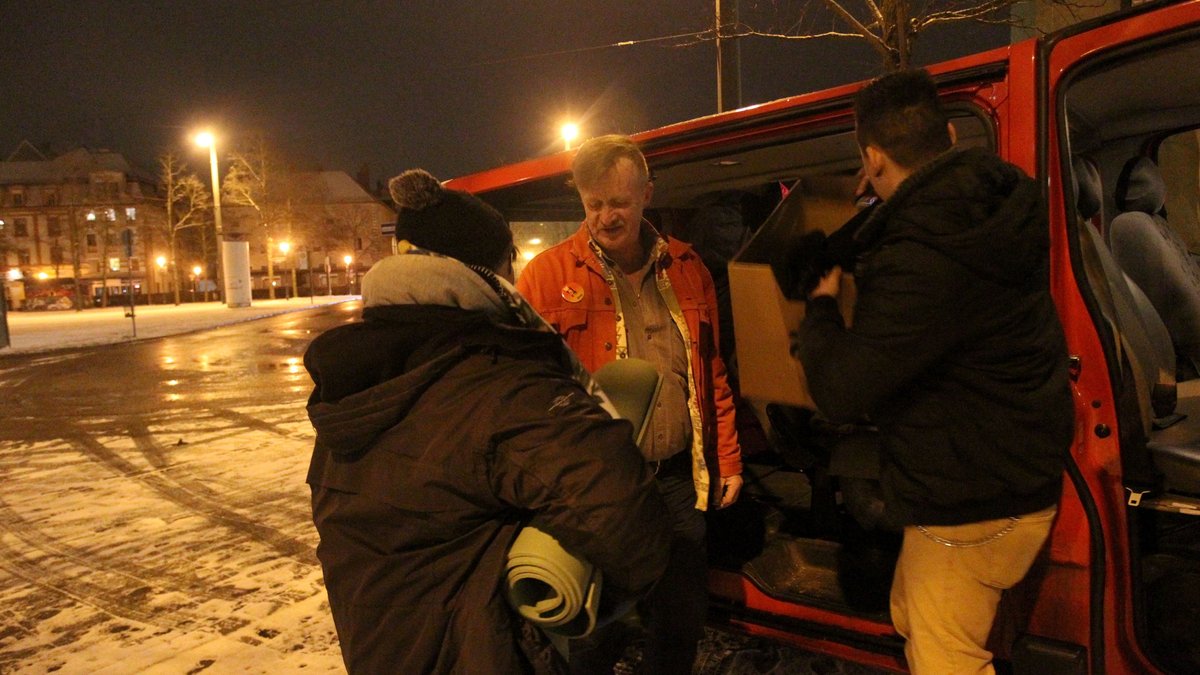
[
  {"x": 956, "y": 352},
  {"x": 439, "y": 434}
]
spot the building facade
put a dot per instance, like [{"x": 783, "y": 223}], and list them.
[
  {"x": 318, "y": 234},
  {"x": 86, "y": 228},
  {"x": 75, "y": 229}
]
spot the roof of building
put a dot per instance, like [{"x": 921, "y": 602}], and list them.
[
  {"x": 338, "y": 187},
  {"x": 26, "y": 152},
  {"x": 76, "y": 164}
]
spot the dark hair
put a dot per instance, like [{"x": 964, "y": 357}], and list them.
[
  {"x": 600, "y": 154},
  {"x": 900, "y": 113}
]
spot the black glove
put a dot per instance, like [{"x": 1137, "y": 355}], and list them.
[{"x": 813, "y": 254}]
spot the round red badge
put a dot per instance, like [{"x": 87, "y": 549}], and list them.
[{"x": 572, "y": 292}]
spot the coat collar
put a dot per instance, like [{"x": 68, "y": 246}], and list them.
[{"x": 669, "y": 249}]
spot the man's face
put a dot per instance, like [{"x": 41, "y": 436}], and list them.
[{"x": 613, "y": 208}]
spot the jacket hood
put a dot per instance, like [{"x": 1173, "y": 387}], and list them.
[
  {"x": 974, "y": 208},
  {"x": 368, "y": 375}
]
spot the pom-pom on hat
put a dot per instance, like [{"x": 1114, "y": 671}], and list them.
[{"x": 451, "y": 222}]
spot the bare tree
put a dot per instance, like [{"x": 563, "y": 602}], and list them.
[
  {"x": 891, "y": 27},
  {"x": 186, "y": 200},
  {"x": 105, "y": 216},
  {"x": 254, "y": 179}
]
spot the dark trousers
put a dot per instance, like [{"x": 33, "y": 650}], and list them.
[{"x": 674, "y": 612}]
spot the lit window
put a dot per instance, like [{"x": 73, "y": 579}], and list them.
[
  {"x": 110, "y": 215},
  {"x": 130, "y": 213},
  {"x": 91, "y": 215},
  {"x": 114, "y": 264}
]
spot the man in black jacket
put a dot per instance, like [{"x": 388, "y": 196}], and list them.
[
  {"x": 956, "y": 354},
  {"x": 446, "y": 420}
]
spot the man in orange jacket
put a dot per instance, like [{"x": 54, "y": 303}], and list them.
[{"x": 619, "y": 289}]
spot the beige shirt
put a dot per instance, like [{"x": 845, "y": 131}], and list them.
[{"x": 654, "y": 337}]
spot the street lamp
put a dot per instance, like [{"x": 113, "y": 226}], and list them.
[
  {"x": 161, "y": 261},
  {"x": 195, "y": 280},
  {"x": 349, "y": 272},
  {"x": 284, "y": 247},
  {"x": 570, "y": 131},
  {"x": 233, "y": 265}
]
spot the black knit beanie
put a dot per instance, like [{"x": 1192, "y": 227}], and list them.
[{"x": 453, "y": 223}]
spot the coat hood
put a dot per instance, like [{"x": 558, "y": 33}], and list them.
[
  {"x": 368, "y": 375},
  {"x": 975, "y": 209}
]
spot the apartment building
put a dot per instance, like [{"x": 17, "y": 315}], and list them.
[
  {"x": 75, "y": 228},
  {"x": 320, "y": 230}
]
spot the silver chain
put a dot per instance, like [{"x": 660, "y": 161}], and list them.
[{"x": 1012, "y": 522}]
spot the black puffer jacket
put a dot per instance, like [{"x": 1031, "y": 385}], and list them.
[
  {"x": 439, "y": 433},
  {"x": 956, "y": 352}
]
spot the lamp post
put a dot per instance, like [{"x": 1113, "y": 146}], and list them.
[
  {"x": 161, "y": 261},
  {"x": 569, "y": 131},
  {"x": 196, "y": 270},
  {"x": 233, "y": 264},
  {"x": 349, "y": 273},
  {"x": 285, "y": 247}
]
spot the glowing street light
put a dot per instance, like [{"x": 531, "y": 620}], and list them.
[
  {"x": 569, "y": 131},
  {"x": 195, "y": 280},
  {"x": 237, "y": 281},
  {"x": 284, "y": 247}
]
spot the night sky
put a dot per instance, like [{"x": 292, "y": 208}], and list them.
[{"x": 453, "y": 86}]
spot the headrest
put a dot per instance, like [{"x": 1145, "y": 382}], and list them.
[
  {"x": 1087, "y": 187},
  {"x": 1140, "y": 187}
]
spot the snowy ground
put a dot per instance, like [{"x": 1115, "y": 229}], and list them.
[
  {"x": 135, "y": 535},
  {"x": 42, "y": 331}
]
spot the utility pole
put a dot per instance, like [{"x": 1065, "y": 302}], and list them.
[{"x": 729, "y": 58}]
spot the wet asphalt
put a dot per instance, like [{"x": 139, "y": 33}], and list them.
[{"x": 154, "y": 516}]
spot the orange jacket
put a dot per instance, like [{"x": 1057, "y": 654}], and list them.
[{"x": 567, "y": 286}]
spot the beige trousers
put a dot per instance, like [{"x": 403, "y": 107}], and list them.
[{"x": 948, "y": 583}]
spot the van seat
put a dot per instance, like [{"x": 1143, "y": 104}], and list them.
[
  {"x": 1176, "y": 449},
  {"x": 1155, "y": 257}
]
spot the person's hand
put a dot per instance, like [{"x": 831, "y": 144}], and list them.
[
  {"x": 830, "y": 284},
  {"x": 863, "y": 188},
  {"x": 731, "y": 487}
]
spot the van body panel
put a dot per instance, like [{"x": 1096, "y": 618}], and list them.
[{"x": 1091, "y": 592}]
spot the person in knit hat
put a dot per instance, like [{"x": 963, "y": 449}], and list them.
[
  {"x": 446, "y": 420},
  {"x": 451, "y": 222}
]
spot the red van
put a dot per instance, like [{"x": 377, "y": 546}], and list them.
[{"x": 1106, "y": 115}]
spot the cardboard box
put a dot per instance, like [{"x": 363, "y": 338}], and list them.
[{"x": 763, "y": 317}]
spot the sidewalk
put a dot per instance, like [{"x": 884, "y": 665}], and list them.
[{"x": 45, "y": 331}]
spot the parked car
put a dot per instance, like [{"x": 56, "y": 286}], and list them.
[{"x": 1089, "y": 112}]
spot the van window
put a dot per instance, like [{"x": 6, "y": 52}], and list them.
[
  {"x": 717, "y": 200},
  {"x": 534, "y": 236}
]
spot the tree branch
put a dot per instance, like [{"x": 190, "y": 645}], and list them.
[{"x": 877, "y": 43}]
